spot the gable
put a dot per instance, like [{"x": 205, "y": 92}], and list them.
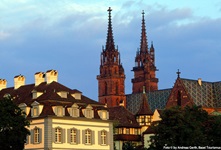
[{"x": 179, "y": 96}]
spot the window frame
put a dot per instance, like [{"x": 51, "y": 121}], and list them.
[
  {"x": 58, "y": 135},
  {"x": 103, "y": 137}
]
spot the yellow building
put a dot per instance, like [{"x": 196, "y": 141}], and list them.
[{"x": 60, "y": 117}]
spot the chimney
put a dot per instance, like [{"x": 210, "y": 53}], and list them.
[
  {"x": 19, "y": 81},
  {"x": 39, "y": 78},
  {"x": 3, "y": 84},
  {"x": 51, "y": 75},
  {"x": 200, "y": 81}
]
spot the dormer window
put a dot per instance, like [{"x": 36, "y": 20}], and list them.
[
  {"x": 59, "y": 111},
  {"x": 88, "y": 112},
  {"x": 104, "y": 114},
  {"x": 36, "y": 94},
  {"x": 36, "y": 109},
  {"x": 74, "y": 110},
  {"x": 63, "y": 94},
  {"x": 24, "y": 108}
]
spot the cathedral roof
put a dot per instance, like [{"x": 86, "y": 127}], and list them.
[
  {"x": 156, "y": 100},
  {"x": 206, "y": 94}
]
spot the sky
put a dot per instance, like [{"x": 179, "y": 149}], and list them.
[{"x": 68, "y": 35}]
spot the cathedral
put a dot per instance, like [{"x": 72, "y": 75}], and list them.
[{"x": 136, "y": 111}]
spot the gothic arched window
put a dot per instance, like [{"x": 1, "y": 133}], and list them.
[{"x": 179, "y": 98}]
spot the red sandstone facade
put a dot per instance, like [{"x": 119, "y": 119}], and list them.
[
  {"x": 144, "y": 70},
  {"x": 111, "y": 78}
]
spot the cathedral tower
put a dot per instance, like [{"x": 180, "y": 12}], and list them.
[
  {"x": 144, "y": 70},
  {"x": 111, "y": 78}
]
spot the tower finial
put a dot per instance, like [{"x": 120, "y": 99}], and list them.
[
  {"x": 110, "y": 38},
  {"x": 144, "y": 90},
  {"x": 143, "y": 42},
  {"x": 178, "y": 73}
]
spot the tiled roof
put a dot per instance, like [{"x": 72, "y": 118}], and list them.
[
  {"x": 123, "y": 117},
  {"x": 49, "y": 97},
  {"x": 208, "y": 94},
  {"x": 156, "y": 100}
]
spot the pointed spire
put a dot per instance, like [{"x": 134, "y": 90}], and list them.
[
  {"x": 110, "y": 38},
  {"x": 144, "y": 106},
  {"x": 143, "y": 41}
]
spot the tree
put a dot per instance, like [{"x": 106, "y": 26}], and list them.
[
  {"x": 189, "y": 126},
  {"x": 127, "y": 146},
  {"x": 13, "y": 126}
]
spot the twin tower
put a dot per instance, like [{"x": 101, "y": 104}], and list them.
[{"x": 111, "y": 87}]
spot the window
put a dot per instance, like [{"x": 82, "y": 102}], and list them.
[
  {"x": 104, "y": 114},
  {"x": 103, "y": 138},
  {"x": 88, "y": 112},
  {"x": 35, "y": 111},
  {"x": 127, "y": 131},
  {"x": 88, "y": 137},
  {"x": 58, "y": 135},
  {"x": 36, "y": 135},
  {"x": 75, "y": 112},
  {"x": 136, "y": 131},
  {"x": 116, "y": 131},
  {"x": 73, "y": 136},
  {"x": 59, "y": 111}
]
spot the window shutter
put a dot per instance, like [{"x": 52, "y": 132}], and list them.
[
  {"x": 32, "y": 136},
  {"x": 40, "y": 135},
  {"x": 56, "y": 111},
  {"x": 107, "y": 138},
  {"x": 107, "y": 115},
  {"x": 71, "y": 112},
  {"x": 63, "y": 135},
  {"x": 92, "y": 113},
  {"x": 99, "y": 137},
  {"x": 53, "y": 135},
  {"x": 32, "y": 111},
  {"x": 92, "y": 138},
  {"x": 68, "y": 135},
  {"x": 83, "y": 136},
  {"x": 78, "y": 136},
  {"x": 63, "y": 112},
  {"x": 27, "y": 139},
  {"x": 78, "y": 113}
]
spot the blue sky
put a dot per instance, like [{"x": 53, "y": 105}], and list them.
[{"x": 67, "y": 35}]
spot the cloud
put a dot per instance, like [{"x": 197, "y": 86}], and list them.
[{"x": 4, "y": 35}]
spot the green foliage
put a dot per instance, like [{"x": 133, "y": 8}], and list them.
[
  {"x": 13, "y": 131},
  {"x": 191, "y": 126},
  {"x": 128, "y": 146}
]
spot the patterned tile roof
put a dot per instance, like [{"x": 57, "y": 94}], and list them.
[
  {"x": 206, "y": 94},
  {"x": 156, "y": 100}
]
